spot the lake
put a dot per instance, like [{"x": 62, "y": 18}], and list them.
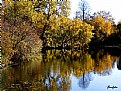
[{"x": 65, "y": 71}]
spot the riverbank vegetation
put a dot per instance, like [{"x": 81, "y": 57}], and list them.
[{"x": 29, "y": 26}]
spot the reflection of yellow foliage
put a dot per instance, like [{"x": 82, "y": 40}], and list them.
[
  {"x": 105, "y": 63},
  {"x": 78, "y": 73},
  {"x": 57, "y": 65}
]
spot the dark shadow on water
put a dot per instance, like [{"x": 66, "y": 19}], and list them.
[
  {"x": 113, "y": 51},
  {"x": 119, "y": 63}
]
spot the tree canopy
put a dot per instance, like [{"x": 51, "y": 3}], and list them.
[{"x": 32, "y": 25}]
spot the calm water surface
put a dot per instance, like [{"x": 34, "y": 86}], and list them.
[{"x": 65, "y": 71}]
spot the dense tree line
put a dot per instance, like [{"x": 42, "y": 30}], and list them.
[
  {"x": 28, "y": 26},
  {"x": 106, "y": 32}
]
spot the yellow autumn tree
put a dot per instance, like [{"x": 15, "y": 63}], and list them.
[
  {"x": 102, "y": 28},
  {"x": 18, "y": 35},
  {"x": 82, "y": 32}
]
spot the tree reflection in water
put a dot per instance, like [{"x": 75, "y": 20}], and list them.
[
  {"x": 54, "y": 72},
  {"x": 84, "y": 80}
]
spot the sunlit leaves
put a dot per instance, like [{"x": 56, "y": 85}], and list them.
[
  {"x": 108, "y": 28},
  {"x": 98, "y": 23},
  {"x": 21, "y": 40},
  {"x": 106, "y": 15},
  {"x": 83, "y": 31},
  {"x": 102, "y": 27},
  {"x": 65, "y": 31}
]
